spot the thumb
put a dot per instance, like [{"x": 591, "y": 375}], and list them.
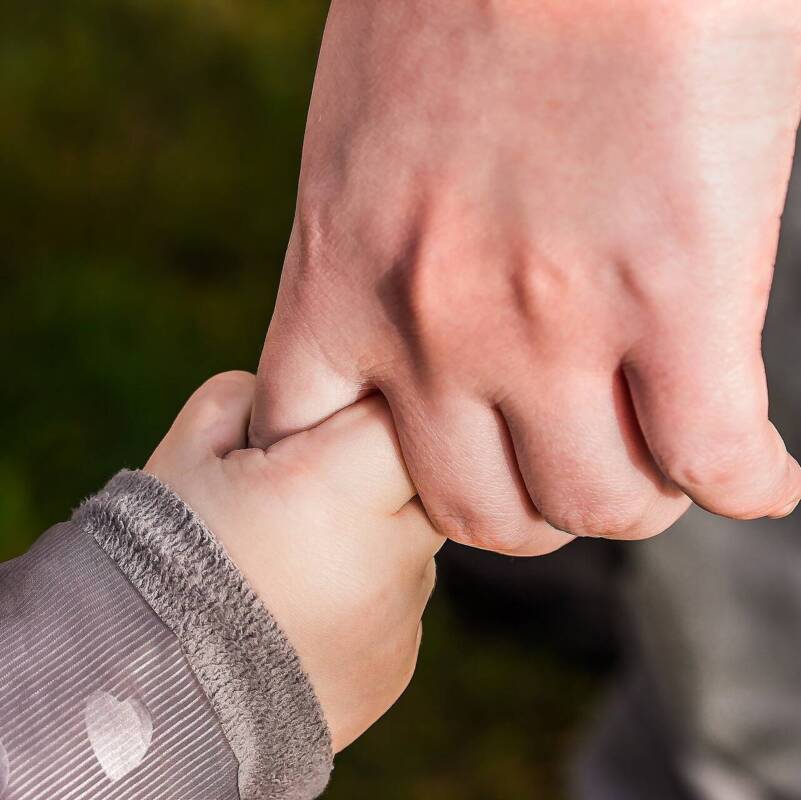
[{"x": 296, "y": 388}]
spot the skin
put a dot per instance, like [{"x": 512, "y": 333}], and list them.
[
  {"x": 545, "y": 232},
  {"x": 325, "y": 528}
]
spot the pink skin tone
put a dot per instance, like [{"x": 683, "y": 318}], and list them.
[
  {"x": 327, "y": 530},
  {"x": 546, "y": 233}
]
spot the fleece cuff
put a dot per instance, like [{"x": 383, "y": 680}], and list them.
[{"x": 243, "y": 661}]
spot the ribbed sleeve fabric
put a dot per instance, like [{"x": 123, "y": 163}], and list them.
[
  {"x": 246, "y": 666},
  {"x": 137, "y": 664},
  {"x": 97, "y": 701}
]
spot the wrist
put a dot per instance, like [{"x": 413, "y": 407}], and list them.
[{"x": 246, "y": 666}]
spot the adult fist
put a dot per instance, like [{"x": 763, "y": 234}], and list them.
[{"x": 546, "y": 232}]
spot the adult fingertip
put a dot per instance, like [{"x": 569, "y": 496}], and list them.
[
  {"x": 792, "y": 495},
  {"x": 746, "y": 486},
  {"x": 786, "y": 511}
]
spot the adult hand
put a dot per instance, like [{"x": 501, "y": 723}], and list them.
[{"x": 545, "y": 231}]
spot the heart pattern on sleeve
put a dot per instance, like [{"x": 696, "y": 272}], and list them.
[{"x": 120, "y": 732}]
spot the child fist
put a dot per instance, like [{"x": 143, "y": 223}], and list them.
[{"x": 326, "y": 527}]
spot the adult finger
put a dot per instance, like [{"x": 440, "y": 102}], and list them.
[
  {"x": 459, "y": 455},
  {"x": 703, "y": 407},
  {"x": 584, "y": 461}
]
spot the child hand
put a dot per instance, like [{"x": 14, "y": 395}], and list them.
[{"x": 326, "y": 528}]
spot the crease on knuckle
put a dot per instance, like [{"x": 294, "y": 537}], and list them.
[
  {"x": 731, "y": 481},
  {"x": 480, "y": 531},
  {"x": 708, "y": 469},
  {"x": 598, "y": 521}
]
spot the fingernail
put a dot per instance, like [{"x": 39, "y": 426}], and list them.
[{"x": 786, "y": 511}]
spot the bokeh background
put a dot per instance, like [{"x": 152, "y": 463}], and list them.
[{"x": 149, "y": 152}]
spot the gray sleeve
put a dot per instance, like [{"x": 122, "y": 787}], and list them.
[{"x": 136, "y": 664}]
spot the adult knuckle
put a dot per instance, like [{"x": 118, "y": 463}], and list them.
[
  {"x": 719, "y": 467},
  {"x": 542, "y": 288},
  {"x": 739, "y": 486},
  {"x": 439, "y": 303},
  {"x": 423, "y": 287},
  {"x": 454, "y": 525},
  {"x": 483, "y": 530},
  {"x": 597, "y": 519}
]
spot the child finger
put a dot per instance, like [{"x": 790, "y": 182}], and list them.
[
  {"x": 215, "y": 418},
  {"x": 356, "y": 455}
]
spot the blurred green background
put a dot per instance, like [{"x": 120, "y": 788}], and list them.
[{"x": 149, "y": 152}]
